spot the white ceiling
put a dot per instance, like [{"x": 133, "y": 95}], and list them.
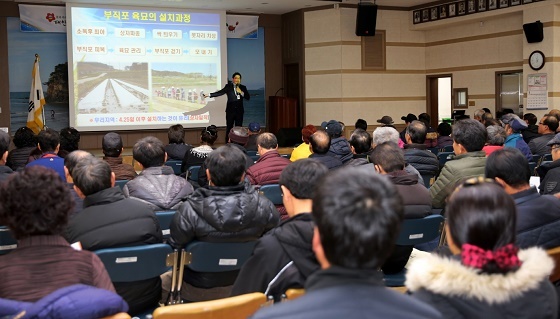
[{"x": 238, "y": 6}]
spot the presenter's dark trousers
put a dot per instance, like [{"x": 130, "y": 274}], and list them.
[{"x": 233, "y": 118}]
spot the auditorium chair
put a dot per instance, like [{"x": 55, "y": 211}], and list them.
[
  {"x": 7, "y": 241},
  {"x": 175, "y": 165},
  {"x": 273, "y": 192},
  {"x": 164, "y": 218}
]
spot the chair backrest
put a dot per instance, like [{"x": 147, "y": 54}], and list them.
[
  {"x": 294, "y": 293},
  {"x": 443, "y": 157},
  {"x": 193, "y": 173},
  {"x": 532, "y": 166},
  {"x": 448, "y": 148},
  {"x": 545, "y": 162},
  {"x": 272, "y": 192},
  {"x": 421, "y": 230},
  {"x": 255, "y": 157},
  {"x": 175, "y": 165},
  {"x": 136, "y": 263},
  {"x": 164, "y": 218},
  {"x": 121, "y": 182},
  {"x": 427, "y": 179},
  {"x": 217, "y": 257},
  {"x": 7, "y": 241},
  {"x": 286, "y": 155},
  {"x": 554, "y": 253},
  {"x": 252, "y": 153},
  {"x": 434, "y": 150},
  {"x": 238, "y": 307},
  {"x": 546, "y": 157}
]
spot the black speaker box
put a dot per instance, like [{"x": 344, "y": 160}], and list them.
[
  {"x": 289, "y": 137},
  {"x": 366, "y": 19},
  {"x": 533, "y": 31}
]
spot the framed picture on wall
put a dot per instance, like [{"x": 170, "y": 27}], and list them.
[
  {"x": 451, "y": 9},
  {"x": 461, "y": 8},
  {"x": 471, "y": 7},
  {"x": 515, "y": 2},
  {"x": 504, "y": 3},
  {"x": 425, "y": 15},
  {"x": 443, "y": 12},
  {"x": 433, "y": 14},
  {"x": 482, "y": 5},
  {"x": 416, "y": 17},
  {"x": 492, "y": 4}
]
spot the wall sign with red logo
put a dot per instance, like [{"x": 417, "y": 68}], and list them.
[{"x": 42, "y": 18}]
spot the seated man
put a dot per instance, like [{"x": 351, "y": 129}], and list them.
[
  {"x": 112, "y": 148},
  {"x": 550, "y": 172},
  {"x": 339, "y": 146},
  {"x": 547, "y": 128},
  {"x": 49, "y": 144},
  {"x": 70, "y": 162},
  {"x": 177, "y": 148},
  {"x": 469, "y": 137},
  {"x": 157, "y": 184},
  {"x": 229, "y": 209},
  {"x": 270, "y": 164},
  {"x": 360, "y": 144},
  {"x": 69, "y": 141},
  {"x": 415, "y": 151},
  {"x": 388, "y": 160},
  {"x": 513, "y": 126},
  {"x": 110, "y": 220},
  {"x": 357, "y": 215},
  {"x": 5, "y": 171},
  {"x": 254, "y": 131},
  {"x": 319, "y": 144},
  {"x": 538, "y": 216},
  {"x": 283, "y": 258},
  {"x": 532, "y": 130},
  {"x": 390, "y": 134}
]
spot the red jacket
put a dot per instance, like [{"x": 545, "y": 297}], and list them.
[{"x": 267, "y": 169}]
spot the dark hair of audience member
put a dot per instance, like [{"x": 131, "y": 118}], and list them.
[
  {"x": 176, "y": 134},
  {"x": 486, "y": 110},
  {"x": 361, "y": 141},
  {"x": 358, "y": 214},
  {"x": 25, "y": 137},
  {"x": 267, "y": 141},
  {"x": 389, "y": 156},
  {"x": 209, "y": 135},
  {"x": 471, "y": 134},
  {"x": 510, "y": 165},
  {"x": 486, "y": 116},
  {"x": 551, "y": 121},
  {"x": 306, "y": 132},
  {"x": 149, "y": 151},
  {"x": 112, "y": 144},
  {"x": 48, "y": 140},
  {"x": 417, "y": 131},
  {"x": 4, "y": 143},
  {"x": 69, "y": 139},
  {"x": 444, "y": 129},
  {"x": 361, "y": 124},
  {"x": 424, "y": 118},
  {"x": 302, "y": 177},
  {"x": 73, "y": 158},
  {"x": 92, "y": 175},
  {"x": 226, "y": 165},
  {"x": 320, "y": 142},
  {"x": 496, "y": 135},
  {"x": 35, "y": 201},
  {"x": 483, "y": 215},
  {"x": 530, "y": 118}
]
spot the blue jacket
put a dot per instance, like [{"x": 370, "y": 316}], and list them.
[
  {"x": 515, "y": 140},
  {"x": 76, "y": 301}
]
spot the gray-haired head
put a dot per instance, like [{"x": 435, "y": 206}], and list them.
[{"x": 385, "y": 134}]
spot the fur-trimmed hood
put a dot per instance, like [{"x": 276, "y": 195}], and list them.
[{"x": 447, "y": 276}]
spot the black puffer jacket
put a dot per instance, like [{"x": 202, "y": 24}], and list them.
[
  {"x": 159, "y": 187},
  {"x": 423, "y": 160},
  {"x": 221, "y": 214},
  {"x": 17, "y": 158},
  {"x": 340, "y": 148}
]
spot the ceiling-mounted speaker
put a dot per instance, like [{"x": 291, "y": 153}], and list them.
[
  {"x": 366, "y": 19},
  {"x": 533, "y": 31}
]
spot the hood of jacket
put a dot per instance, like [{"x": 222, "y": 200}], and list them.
[
  {"x": 295, "y": 235},
  {"x": 340, "y": 148},
  {"x": 449, "y": 277}
]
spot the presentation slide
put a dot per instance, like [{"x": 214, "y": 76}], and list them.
[{"x": 145, "y": 68}]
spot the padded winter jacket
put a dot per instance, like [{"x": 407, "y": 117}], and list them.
[
  {"x": 267, "y": 169},
  {"x": 423, "y": 160},
  {"x": 340, "y": 148},
  {"x": 515, "y": 140}
]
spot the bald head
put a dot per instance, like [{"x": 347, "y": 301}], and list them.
[
  {"x": 267, "y": 142},
  {"x": 320, "y": 142}
]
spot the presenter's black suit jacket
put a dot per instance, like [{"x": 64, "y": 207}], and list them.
[{"x": 233, "y": 103}]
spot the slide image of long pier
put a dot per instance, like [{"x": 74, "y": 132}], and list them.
[{"x": 115, "y": 96}]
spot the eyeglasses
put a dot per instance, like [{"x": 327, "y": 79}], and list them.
[
  {"x": 541, "y": 123},
  {"x": 555, "y": 147}
]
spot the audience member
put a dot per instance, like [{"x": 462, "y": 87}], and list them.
[
  {"x": 35, "y": 205},
  {"x": 229, "y": 209},
  {"x": 431, "y": 134},
  {"x": 407, "y": 120},
  {"x": 358, "y": 215},
  {"x": 389, "y": 160},
  {"x": 177, "y": 148},
  {"x": 70, "y": 162},
  {"x": 416, "y": 152},
  {"x": 550, "y": 172},
  {"x": 283, "y": 258},
  {"x": 49, "y": 144},
  {"x": 254, "y": 131},
  {"x": 487, "y": 118},
  {"x": 478, "y": 115},
  {"x": 5, "y": 171},
  {"x": 360, "y": 144},
  {"x": 385, "y": 120},
  {"x": 444, "y": 139},
  {"x": 547, "y": 128},
  {"x": 339, "y": 147},
  {"x": 538, "y": 216},
  {"x": 532, "y": 130},
  {"x": 469, "y": 137},
  {"x": 110, "y": 220},
  {"x": 513, "y": 126},
  {"x": 319, "y": 144},
  {"x": 157, "y": 185},
  {"x": 196, "y": 156},
  {"x": 25, "y": 142},
  {"x": 487, "y": 274},
  {"x": 69, "y": 141},
  {"x": 496, "y": 139},
  {"x": 361, "y": 123},
  {"x": 112, "y": 146},
  {"x": 303, "y": 150},
  {"x": 487, "y": 110}
]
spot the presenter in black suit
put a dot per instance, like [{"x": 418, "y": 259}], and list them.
[{"x": 236, "y": 92}]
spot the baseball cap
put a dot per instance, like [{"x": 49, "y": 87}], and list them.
[
  {"x": 254, "y": 127},
  {"x": 385, "y": 120},
  {"x": 514, "y": 122},
  {"x": 332, "y": 127},
  {"x": 555, "y": 140}
]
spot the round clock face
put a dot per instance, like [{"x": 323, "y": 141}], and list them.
[{"x": 536, "y": 60}]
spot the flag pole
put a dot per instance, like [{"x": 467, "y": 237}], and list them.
[{"x": 37, "y": 59}]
